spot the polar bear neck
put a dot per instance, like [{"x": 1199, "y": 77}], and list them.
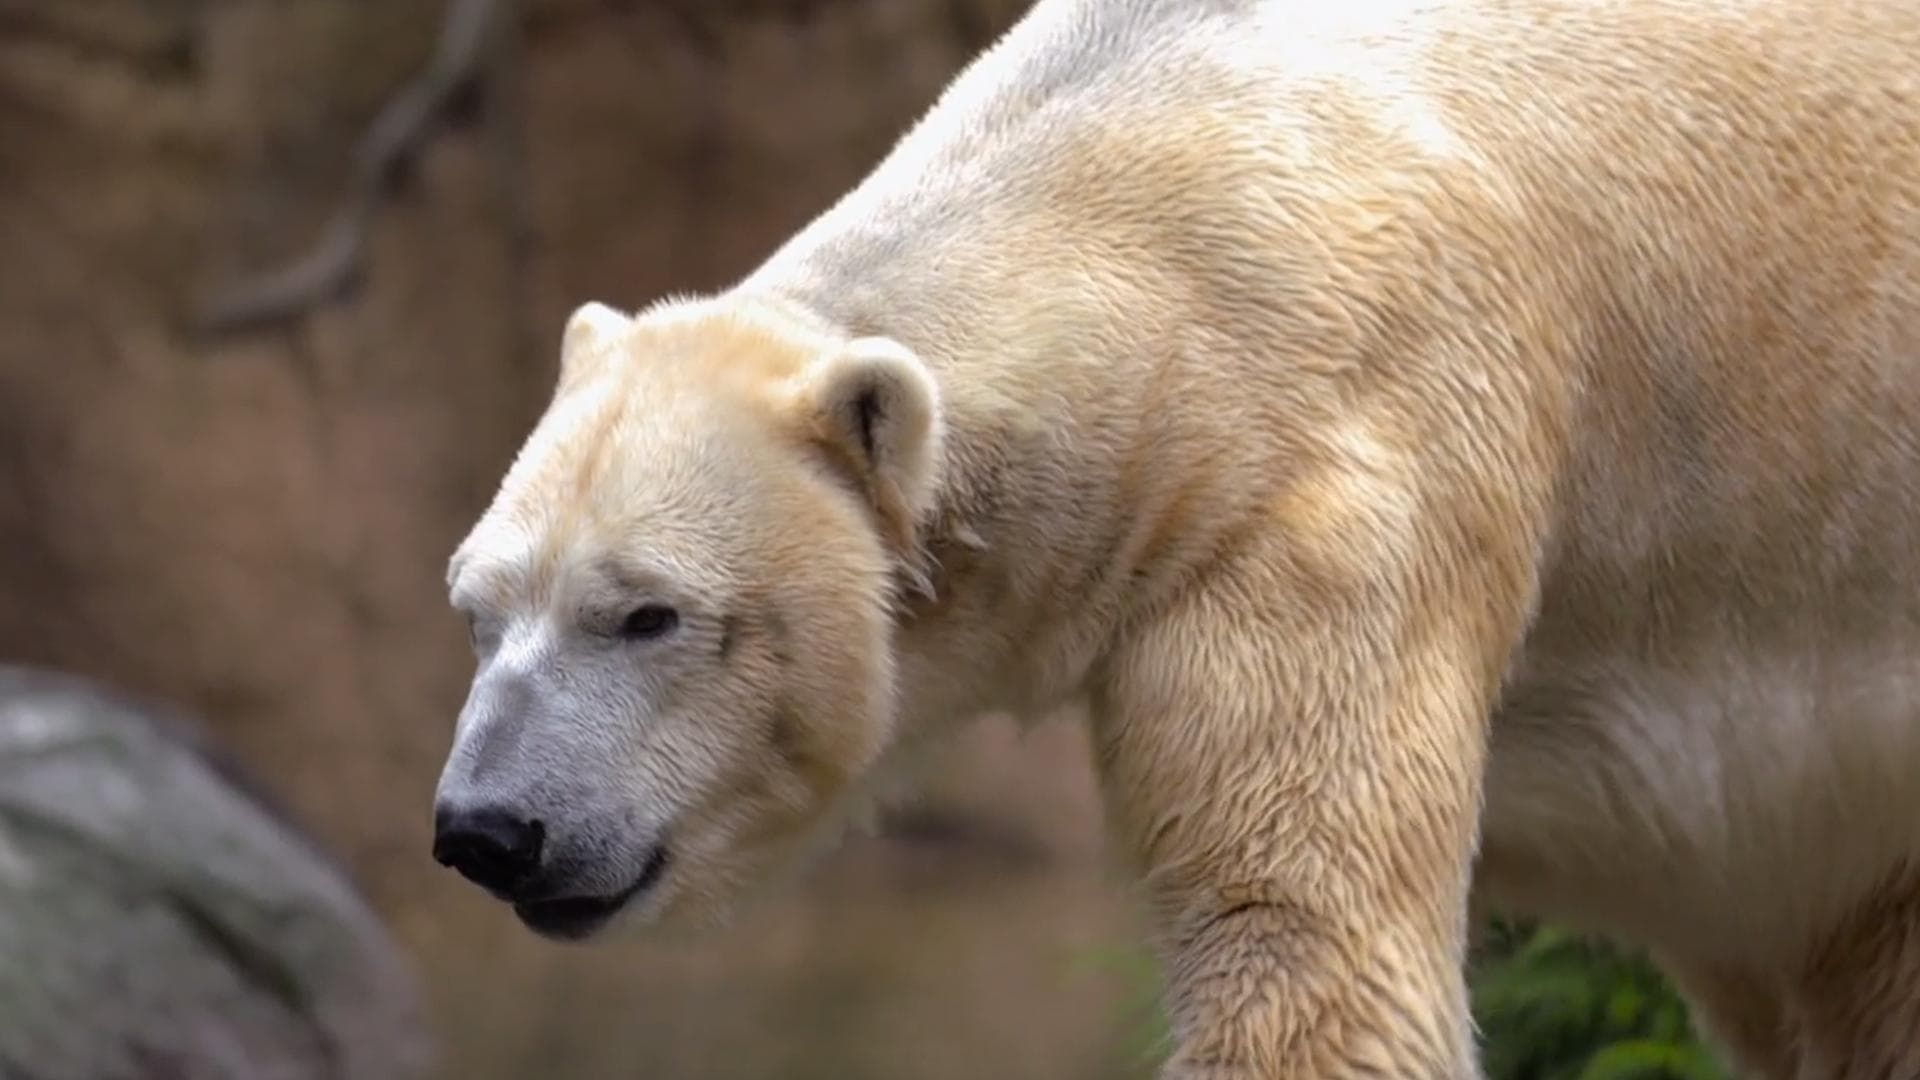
[
  {"x": 1052, "y": 408},
  {"x": 1039, "y": 256},
  {"x": 1090, "y": 271}
]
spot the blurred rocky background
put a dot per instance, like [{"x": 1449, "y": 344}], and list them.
[{"x": 240, "y": 505}]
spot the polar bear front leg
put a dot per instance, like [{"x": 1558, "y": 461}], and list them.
[{"x": 1294, "y": 751}]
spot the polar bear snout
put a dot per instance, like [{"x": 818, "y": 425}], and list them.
[
  {"x": 523, "y": 808},
  {"x": 564, "y": 889},
  {"x": 495, "y": 847}
]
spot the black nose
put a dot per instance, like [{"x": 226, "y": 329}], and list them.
[{"x": 493, "y": 848}]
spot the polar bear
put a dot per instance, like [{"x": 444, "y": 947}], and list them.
[{"x": 1463, "y": 455}]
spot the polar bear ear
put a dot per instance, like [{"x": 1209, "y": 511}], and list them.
[
  {"x": 874, "y": 408},
  {"x": 590, "y": 330}
]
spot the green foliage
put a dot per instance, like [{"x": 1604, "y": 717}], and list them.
[
  {"x": 1550, "y": 1004},
  {"x": 1553, "y": 1005},
  {"x": 1145, "y": 1035}
]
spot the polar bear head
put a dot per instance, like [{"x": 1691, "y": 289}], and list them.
[{"x": 682, "y": 608}]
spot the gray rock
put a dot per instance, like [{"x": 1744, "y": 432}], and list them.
[{"x": 159, "y": 920}]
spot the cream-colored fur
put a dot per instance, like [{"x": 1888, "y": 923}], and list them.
[{"x": 1420, "y": 430}]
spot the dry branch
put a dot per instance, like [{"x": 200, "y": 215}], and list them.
[{"x": 391, "y": 142}]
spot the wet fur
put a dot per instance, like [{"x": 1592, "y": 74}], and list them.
[{"x": 1456, "y": 448}]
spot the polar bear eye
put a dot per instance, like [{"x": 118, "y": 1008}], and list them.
[
  {"x": 482, "y": 634},
  {"x": 649, "y": 621}
]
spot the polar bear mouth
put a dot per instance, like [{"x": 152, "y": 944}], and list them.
[{"x": 573, "y": 918}]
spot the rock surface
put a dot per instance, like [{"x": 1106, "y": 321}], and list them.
[{"x": 159, "y": 920}]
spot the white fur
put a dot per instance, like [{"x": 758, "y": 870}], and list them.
[{"x": 1453, "y": 446}]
